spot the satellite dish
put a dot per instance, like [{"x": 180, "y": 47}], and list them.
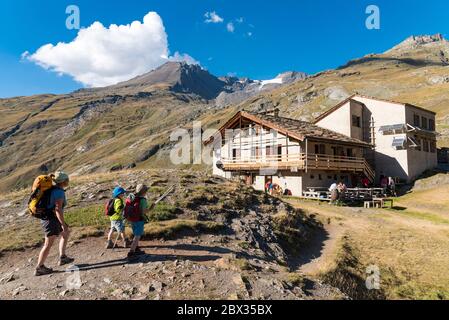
[{"x": 219, "y": 165}]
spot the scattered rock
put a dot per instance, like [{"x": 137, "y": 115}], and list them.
[
  {"x": 439, "y": 79},
  {"x": 117, "y": 293},
  {"x": 64, "y": 293},
  {"x": 157, "y": 286},
  {"x": 19, "y": 290},
  {"x": 9, "y": 277}
]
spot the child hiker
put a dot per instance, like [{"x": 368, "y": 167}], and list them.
[
  {"x": 117, "y": 221},
  {"x": 137, "y": 208}
]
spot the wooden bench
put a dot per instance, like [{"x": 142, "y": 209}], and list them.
[
  {"x": 378, "y": 203},
  {"x": 373, "y": 203},
  {"x": 384, "y": 200}
]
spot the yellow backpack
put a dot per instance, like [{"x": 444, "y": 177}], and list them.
[{"x": 40, "y": 196}]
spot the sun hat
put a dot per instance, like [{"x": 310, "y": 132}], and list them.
[
  {"x": 118, "y": 191},
  {"x": 141, "y": 188},
  {"x": 61, "y": 177}
]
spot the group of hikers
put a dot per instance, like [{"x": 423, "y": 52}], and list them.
[
  {"x": 339, "y": 189},
  {"x": 133, "y": 209},
  {"x": 275, "y": 190}
]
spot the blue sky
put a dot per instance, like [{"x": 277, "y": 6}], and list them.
[{"x": 274, "y": 36}]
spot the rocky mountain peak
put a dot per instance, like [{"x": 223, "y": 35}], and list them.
[{"x": 415, "y": 42}]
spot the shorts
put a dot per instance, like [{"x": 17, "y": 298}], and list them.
[
  {"x": 52, "y": 227},
  {"x": 138, "y": 228},
  {"x": 118, "y": 226}
]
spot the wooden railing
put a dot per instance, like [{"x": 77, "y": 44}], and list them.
[{"x": 300, "y": 161}]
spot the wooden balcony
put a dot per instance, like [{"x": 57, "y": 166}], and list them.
[{"x": 299, "y": 162}]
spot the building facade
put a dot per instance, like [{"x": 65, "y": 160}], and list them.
[
  {"x": 360, "y": 138},
  {"x": 403, "y": 135},
  {"x": 294, "y": 154}
]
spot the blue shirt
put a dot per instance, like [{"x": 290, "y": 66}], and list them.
[{"x": 57, "y": 194}]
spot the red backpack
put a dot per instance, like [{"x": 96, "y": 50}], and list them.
[{"x": 133, "y": 213}]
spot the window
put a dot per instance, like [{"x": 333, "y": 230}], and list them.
[
  {"x": 279, "y": 154},
  {"x": 416, "y": 121},
  {"x": 424, "y": 123},
  {"x": 356, "y": 121},
  {"x": 418, "y": 143},
  {"x": 256, "y": 153},
  {"x": 320, "y": 149},
  {"x": 426, "y": 145},
  {"x": 433, "y": 147},
  {"x": 431, "y": 125},
  {"x": 350, "y": 153},
  {"x": 268, "y": 151}
]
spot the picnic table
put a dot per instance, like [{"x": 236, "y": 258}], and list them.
[{"x": 317, "y": 193}]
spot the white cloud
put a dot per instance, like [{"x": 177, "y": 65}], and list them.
[
  {"x": 240, "y": 20},
  {"x": 230, "y": 27},
  {"x": 101, "y": 56},
  {"x": 183, "y": 58},
  {"x": 213, "y": 17}
]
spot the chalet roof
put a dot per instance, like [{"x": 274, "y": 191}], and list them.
[
  {"x": 353, "y": 98},
  {"x": 296, "y": 129},
  {"x": 309, "y": 130}
]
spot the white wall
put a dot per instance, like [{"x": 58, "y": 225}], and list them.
[
  {"x": 406, "y": 164},
  {"x": 338, "y": 121}
]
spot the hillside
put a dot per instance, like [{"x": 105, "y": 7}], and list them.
[
  {"x": 203, "y": 242},
  {"x": 206, "y": 242}
]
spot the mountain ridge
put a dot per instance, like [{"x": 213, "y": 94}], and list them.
[{"x": 98, "y": 130}]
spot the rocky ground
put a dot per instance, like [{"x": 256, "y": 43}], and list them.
[{"x": 238, "y": 244}]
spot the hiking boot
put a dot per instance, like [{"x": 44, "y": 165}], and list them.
[
  {"x": 42, "y": 271},
  {"x": 127, "y": 244},
  {"x": 65, "y": 260},
  {"x": 132, "y": 256},
  {"x": 109, "y": 245}
]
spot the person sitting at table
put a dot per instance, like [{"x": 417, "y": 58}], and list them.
[
  {"x": 365, "y": 182},
  {"x": 392, "y": 186},
  {"x": 341, "y": 188},
  {"x": 384, "y": 184},
  {"x": 268, "y": 186},
  {"x": 334, "y": 192}
]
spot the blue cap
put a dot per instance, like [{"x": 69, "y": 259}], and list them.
[{"x": 118, "y": 191}]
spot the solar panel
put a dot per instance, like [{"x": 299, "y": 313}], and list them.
[
  {"x": 394, "y": 127},
  {"x": 399, "y": 142}
]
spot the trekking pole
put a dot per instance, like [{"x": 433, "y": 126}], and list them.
[
  {"x": 116, "y": 240},
  {"x": 165, "y": 195}
]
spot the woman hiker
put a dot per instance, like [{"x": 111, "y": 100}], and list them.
[
  {"x": 54, "y": 226},
  {"x": 138, "y": 220}
]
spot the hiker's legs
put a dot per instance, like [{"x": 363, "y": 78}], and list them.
[
  {"x": 45, "y": 250},
  {"x": 111, "y": 232},
  {"x": 63, "y": 242},
  {"x": 135, "y": 243}
]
